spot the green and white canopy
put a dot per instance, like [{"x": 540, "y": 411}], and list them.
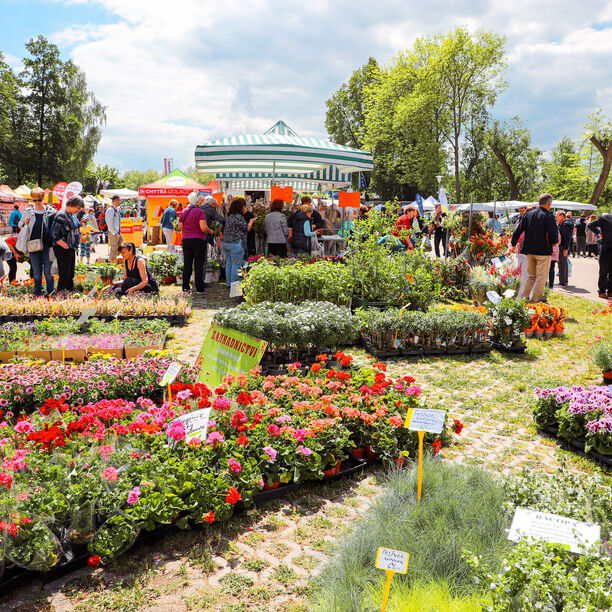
[{"x": 279, "y": 151}]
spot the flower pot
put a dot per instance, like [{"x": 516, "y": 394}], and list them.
[
  {"x": 528, "y": 333},
  {"x": 338, "y": 466},
  {"x": 330, "y": 472},
  {"x": 107, "y": 280},
  {"x": 168, "y": 280},
  {"x": 358, "y": 452},
  {"x": 69, "y": 355},
  {"x": 274, "y": 485},
  {"x": 548, "y": 333},
  {"x": 6, "y": 356},
  {"x": 607, "y": 377},
  {"x": 370, "y": 453},
  {"x": 539, "y": 333}
]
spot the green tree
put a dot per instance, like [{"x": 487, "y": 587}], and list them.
[
  {"x": 193, "y": 173},
  {"x": 597, "y": 154},
  {"x": 64, "y": 118},
  {"x": 97, "y": 173},
  {"x": 460, "y": 75},
  {"x": 133, "y": 179},
  {"x": 564, "y": 175},
  {"x": 345, "y": 116}
]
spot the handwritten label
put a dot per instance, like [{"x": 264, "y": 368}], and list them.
[
  {"x": 420, "y": 419},
  {"x": 393, "y": 560},
  {"x": 170, "y": 374},
  {"x": 195, "y": 424},
  {"x": 554, "y": 528},
  {"x": 86, "y": 313}
]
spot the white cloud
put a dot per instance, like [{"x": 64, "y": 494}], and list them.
[{"x": 174, "y": 75}]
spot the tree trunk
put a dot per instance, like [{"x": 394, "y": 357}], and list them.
[
  {"x": 457, "y": 181},
  {"x": 501, "y": 158},
  {"x": 605, "y": 170}
]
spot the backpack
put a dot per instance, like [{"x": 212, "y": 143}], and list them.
[
  {"x": 48, "y": 222},
  {"x": 102, "y": 221}
]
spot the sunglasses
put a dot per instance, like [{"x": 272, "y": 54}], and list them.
[{"x": 37, "y": 200}]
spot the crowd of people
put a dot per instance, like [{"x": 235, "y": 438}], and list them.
[{"x": 53, "y": 239}]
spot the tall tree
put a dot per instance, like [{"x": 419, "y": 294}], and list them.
[
  {"x": 598, "y": 131},
  {"x": 133, "y": 179},
  {"x": 65, "y": 118},
  {"x": 511, "y": 145},
  {"x": 563, "y": 175},
  {"x": 101, "y": 173},
  {"x": 461, "y": 73},
  {"x": 345, "y": 116}
]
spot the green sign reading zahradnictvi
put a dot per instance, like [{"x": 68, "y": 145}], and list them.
[{"x": 227, "y": 351}]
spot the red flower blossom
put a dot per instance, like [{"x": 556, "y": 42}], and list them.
[
  {"x": 242, "y": 440},
  {"x": 437, "y": 445},
  {"x": 210, "y": 517},
  {"x": 233, "y": 496},
  {"x": 315, "y": 367},
  {"x": 322, "y": 357},
  {"x": 94, "y": 561},
  {"x": 238, "y": 418},
  {"x": 457, "y": 426},
  {"x": 244, "y": 398},
  {"x": 6, "y": 479}
]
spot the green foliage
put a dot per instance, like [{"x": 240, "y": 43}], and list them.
[
  {"x": 115, "y": 536},
  {"x": 163, "y": 264},
  {"x": 34, "y": 546},
  {"x": 509, "y": 319},
  {"x": 318, "y": 324},
  {"x": 133, "y": 179},
  {"x": 460, "y": 508},
  {"x": 101, "y": 173},
  {"x": 297, "y": 282},
  {"x": 602, "y": 355},
  {"x": 55, "y": 121}
]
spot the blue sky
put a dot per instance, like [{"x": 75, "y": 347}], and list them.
[{"x": 174, "y": 75}]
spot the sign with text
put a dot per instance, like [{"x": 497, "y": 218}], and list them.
[
  {"x": 281, "y": 193},
  {"x": 227, "y": 351},
  {"x": 170, "y": 374},
  {"x": 195, "y": 424},
  {"x": 349, "y": 199},
  {"x": 392, "y": 560},
  {"x": 420, "y": 419},
  {"x": 554, "y": 528},
  {"x": 86, "y": 313}
]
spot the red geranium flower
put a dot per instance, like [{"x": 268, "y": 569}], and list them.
[
  {"x": 437, "y": 445},
  {"x": 457, "y": 426},
  {"x": 210, "y": 517},
  {"x": 243, "y": 440},
  {"x": 233, "y": 496},
  {"x": 94, "y": 561}
]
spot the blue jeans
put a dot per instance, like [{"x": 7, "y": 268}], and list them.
[
  {"x": 234, "y": 254},
  {"x": 40, "y": 263}
]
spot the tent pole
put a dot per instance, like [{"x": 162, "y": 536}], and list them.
[
  {"x": 470, "y": 222},
  {"x": 494, "y": 211}
]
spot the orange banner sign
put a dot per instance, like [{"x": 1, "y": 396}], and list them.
[
  {"x": 349, "y": 199},
  {"x": 219, "y": 197},
  {"x": 282, "y": 193}
]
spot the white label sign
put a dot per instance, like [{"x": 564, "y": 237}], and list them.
[
  {"x": 394, "y": 560},
  {"x": 494, "y": 297},
  {"x": 170, "y": 374},
  {"x": 195, "y": 424},
  {"x": 531, "y": 524},
  {"x": 427, "y": 420},
  {"x": 85, "y": 314}
]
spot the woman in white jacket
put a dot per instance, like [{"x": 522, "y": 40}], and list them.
[{"x": 34, "y": 222}]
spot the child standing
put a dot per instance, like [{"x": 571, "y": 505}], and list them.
[{"x": 86, "y": 230}]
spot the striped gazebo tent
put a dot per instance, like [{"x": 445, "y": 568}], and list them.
[{"x": 276, "y": 153}]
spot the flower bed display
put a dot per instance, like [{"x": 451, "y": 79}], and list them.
[
  {"x": 174, "y": 308},
  {"x": 293, "y": 331},
  {"x": 45, "y": 339},
  {"x": 26, "y": 386},
  {"x": 508, "y": 318},
  {"x": 546, "y": 321},
  {"x": 93, "y": 477},
  {"x": 580, "y": 415},
  {"x": 403, "y": 332}
]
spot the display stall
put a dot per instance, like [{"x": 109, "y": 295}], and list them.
[{"x": 174, "y": 186}]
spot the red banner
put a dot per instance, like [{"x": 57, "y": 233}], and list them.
[
  {"x": 282, "y": 193},
  {"x": 58, "y": 193}
]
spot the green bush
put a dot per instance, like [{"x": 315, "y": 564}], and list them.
[
  {"x": 461, "y": 508},
  {"x": 602, "y": 356},
  {"x": 301, "y": 326}
]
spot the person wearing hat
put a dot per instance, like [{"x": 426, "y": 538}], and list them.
[{"x": 112, "y": 217}]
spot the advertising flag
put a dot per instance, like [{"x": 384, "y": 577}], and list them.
[
  {"x": 72, "y": 189},
  {"x": 443, "y": 199},
  {"x": 362, "y": 181},
  {"x": 419, "y": 202}
]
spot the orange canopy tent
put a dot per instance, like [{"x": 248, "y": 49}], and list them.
[{"x": 174, "y": 186}]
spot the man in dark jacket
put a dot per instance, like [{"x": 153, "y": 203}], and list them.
[
  {"x": 603, "y": 226},
  {"x": 541, "y": 234},
  {"x": 581, "y": 236},
  {"x": 566, "y": 235}
]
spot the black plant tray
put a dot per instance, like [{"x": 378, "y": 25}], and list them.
[
  {"x": 519, "y": 349},
  {"x": 349, "y": 466},
  {"x": 553, "y": 430},
  {"x": 280, "y": 491}
]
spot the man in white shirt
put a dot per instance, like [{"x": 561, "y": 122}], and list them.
[{"x": 112, "y": 216}]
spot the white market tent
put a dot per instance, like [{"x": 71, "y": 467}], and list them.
[
  {"x": 513, "y": 205},
  {"x": 124, "y": 194},
  {"x": 567, "y": 205},
  {"x": 280, "y": 156}
]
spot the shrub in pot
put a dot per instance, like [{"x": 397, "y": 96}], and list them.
[{"x": 602, "y": 356}]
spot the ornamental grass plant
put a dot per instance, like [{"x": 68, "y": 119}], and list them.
[{"x": 461, "y": 508}]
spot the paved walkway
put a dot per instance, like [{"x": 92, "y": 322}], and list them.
[{"x": 583, "y": 281}]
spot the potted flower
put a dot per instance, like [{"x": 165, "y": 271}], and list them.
[
  {"x": 107, "y": 272},
  {"x": 165, "y": 266},
  {"x": 602, "y": 356}
]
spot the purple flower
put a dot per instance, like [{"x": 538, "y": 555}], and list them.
[{"x": 304, "y": 450}]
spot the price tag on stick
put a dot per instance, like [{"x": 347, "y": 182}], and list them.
[
  {"x": 86, "y": 313},
  {"x": 422, "y": 420},
  {"x": 391, "y": 561},
  {"x": 168, "y": 378}
]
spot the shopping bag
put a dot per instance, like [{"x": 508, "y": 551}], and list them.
[{"x": 177, "y": 238}]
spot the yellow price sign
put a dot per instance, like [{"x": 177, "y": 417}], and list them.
[{"x": 391, "y": 561}]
